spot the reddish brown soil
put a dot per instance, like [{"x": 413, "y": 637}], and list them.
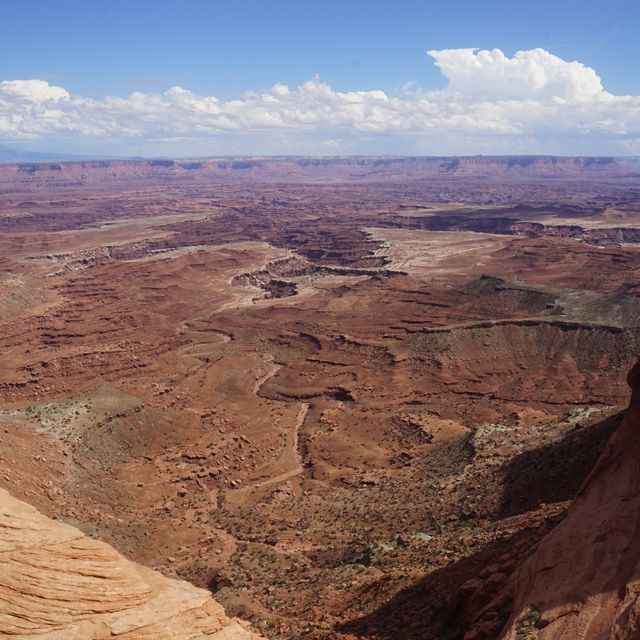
[{"x": 336, "y": 394}]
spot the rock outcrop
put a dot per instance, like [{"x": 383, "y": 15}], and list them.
[
  {"x": 57, "y": 584},
  {"x": 583, "y": 581}
]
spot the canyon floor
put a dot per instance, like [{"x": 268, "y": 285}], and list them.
[{"x": 347, "y": 398}]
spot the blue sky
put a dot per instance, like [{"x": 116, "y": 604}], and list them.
[{"x": 223, "y": 49}]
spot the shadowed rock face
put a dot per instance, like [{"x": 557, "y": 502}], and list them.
[
  {"x": 583, "y": 581},
  {"x": 56, "y": 583}
]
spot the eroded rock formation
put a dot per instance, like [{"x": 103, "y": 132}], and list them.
[
  {"x": 346, "y": 394},
  {"x": 56, "y": 584},
  {"x": 583, "y": 581}
]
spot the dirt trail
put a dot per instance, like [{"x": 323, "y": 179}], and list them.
[{"x": 290, "y": 456}]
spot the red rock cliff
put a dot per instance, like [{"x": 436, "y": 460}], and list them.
[{"x": 583, "y": 581}]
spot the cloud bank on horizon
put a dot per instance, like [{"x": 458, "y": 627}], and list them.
[{"x": 533, "y": 102}]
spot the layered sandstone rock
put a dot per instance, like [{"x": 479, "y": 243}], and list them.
[
  {"x": 57, "y": 584},
  {"x": 583, "y": 581}
]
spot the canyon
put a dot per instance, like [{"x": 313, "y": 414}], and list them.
[{"x": 351, "y": 398}]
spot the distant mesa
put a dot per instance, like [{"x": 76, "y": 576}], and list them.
[{"x": 288, "y": 169}]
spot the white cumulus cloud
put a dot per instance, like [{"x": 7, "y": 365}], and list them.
[
  {"x": 32, "y": 90},
  {"x": 535, "y": 74},
  {"x": 531, "y": 102}
]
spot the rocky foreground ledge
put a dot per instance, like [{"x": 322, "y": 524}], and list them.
[{"x": 56, "y": 584}]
